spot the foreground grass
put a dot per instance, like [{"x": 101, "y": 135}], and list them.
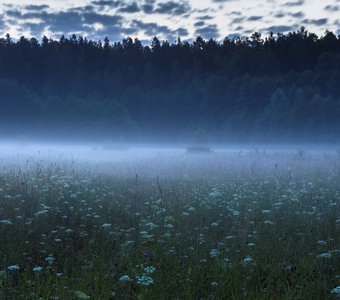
[{"x": 237, "y": 226}]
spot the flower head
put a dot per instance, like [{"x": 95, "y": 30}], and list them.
[
  {"x": 13, "y": 268},
  {"x": 336, "y": 290},
  {"x": 125, "y": 278},
  {"x": 144, "y": 280}
]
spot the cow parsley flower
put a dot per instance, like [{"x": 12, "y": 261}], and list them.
[
  {"x": 144, "y": 280},
  {"x": 6, "y": 222},
  {"x": 248, "y": 260},
  {"x": 125, "y": 278},
  {"x": 325, "y": 255},
  {"x": 81, "y": 295},
  {"x": 169, "y": 226},
  {"x": 336, "y": 290},
  {"x": 13, "y": 268},
  {"x": 192, "y": 209},
  {"x": 149, "y": 270},
  {"x": 214, "y": 253},
  {"x": 50, "y": 259},
  {"x": 226, "y": 263},
  {"x": 42, "y": 212},
  {"x": 214, "y": 193},
  {"x": 144, "y": 234},
  {"x": 151, "y": 225},
  {"x": 106, "y": 225}
]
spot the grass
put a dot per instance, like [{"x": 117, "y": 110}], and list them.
[{"x": 247, "y": 225}]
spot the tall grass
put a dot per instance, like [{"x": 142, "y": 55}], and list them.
[{"x": 246, "y": 225}]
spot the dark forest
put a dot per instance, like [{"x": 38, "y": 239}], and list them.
[{"x": 277, "y": 88}]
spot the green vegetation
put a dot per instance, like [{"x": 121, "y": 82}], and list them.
[{"x": 247, "y": 225}]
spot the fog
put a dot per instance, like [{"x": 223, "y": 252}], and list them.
[
  {"x": 154, "y": 160},
  {"x": 99, "y": 153}
]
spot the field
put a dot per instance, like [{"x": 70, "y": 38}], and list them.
[{"x": 230, "y": 225}]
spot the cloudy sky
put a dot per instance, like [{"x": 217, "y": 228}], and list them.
[{"x": 165, "y": 19}]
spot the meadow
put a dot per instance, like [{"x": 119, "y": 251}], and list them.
[{"x": 230, "y": 225}]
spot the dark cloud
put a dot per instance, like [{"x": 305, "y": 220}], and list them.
[
  {"x": 34, "y": 28},
  {"x": 110, "y": 3},
  {"x": 82, "y": 19},
  {"x": 37, "y": 7},
  {"x": 69, "y": 18},
  {"x": 63, "y": 22},
  {"x": 66, "y": 22},
  {"x": 2, "y": 23},
  {"x": 298, "y": 14},
  {"x": 151, "y": 29},
  {"x": 207, "y": 32},
  {"x": 247, "y": 32},
  {"x": 280, "y": 28},
  {"x": 154, "y": 29},
  {"x": 279, "y": 14},
  {"x": 332, "y": 8},
  {"x": 13, "y": 13},
  {"x": 114, "y": 33},
  {"x": 203, "y": 10},
  {"x": 106, "y": 20},
  {"x": 317, "y": 22},
  {"x": 131, "y": 8},
  {"x": 147, "y": 8},
  {"x": 81, "y": 9},
  {"x": 11, "y": 22},
  {"x": 199, "y": 24},
  {"x": 170, "y": 7},
  {"x": 294, "y": 3},
  {"x": 255, "y": 18},
  {"x": 205, "y": 17},
  {"x": 181, "y": 31},
  {"x": 237, "y": 20},
  {"x": 173, "y": 8},
  {"x": 235, "y": 13}
]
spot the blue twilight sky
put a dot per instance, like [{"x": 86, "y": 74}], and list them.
[{"x": 165, "y": 19}]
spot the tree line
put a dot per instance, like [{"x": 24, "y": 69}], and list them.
[{"x": 282, "y": 87}]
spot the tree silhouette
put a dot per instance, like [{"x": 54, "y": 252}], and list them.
[{"x": 279, "y": 85}]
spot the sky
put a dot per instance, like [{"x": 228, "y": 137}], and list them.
[{"x": 144, "y": 19}]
